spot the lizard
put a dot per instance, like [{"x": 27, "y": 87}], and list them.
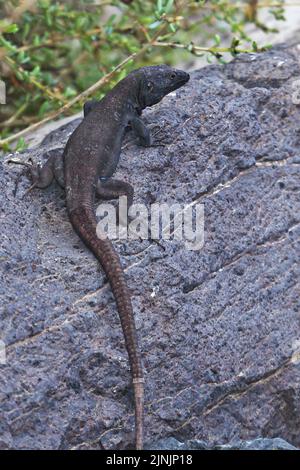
[{"x": 85, "y": 169}]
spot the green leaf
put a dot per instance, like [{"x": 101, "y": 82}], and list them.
[
  {"x": 11, "y": 28},
  {"x": 169, "y": 6},
  {"x": 69, "y": 92},
  {"x": 48, "y": 18},
  {"x": 234, "y": 43},
  {"x": 36, "y": 40},
  {"x": 44, "y": 108},
  {"x": 265, "y": 47},
  {"x": 217, "y": 39},
  {"x": 155, "y": 25},
  {"x": 36, "y": 71}
]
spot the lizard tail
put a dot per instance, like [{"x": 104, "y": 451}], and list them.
[{"x": 84, "y": 222}]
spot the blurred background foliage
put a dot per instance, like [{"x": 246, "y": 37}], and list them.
[{"x": 53, "y": 54}]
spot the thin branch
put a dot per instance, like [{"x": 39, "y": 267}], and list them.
[
  {"x": 193, "y": 48},
  {"x": 243, "y": 5},
  {"x": 12, "y": 120}
]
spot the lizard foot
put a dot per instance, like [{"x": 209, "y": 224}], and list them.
[
  {"x": 40, "y": 175},
  {"x": 30, "y": 168}
]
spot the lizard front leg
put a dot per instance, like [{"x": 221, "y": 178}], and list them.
[{"x": 141, "y": 131}]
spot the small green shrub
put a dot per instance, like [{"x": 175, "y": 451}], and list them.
[{"x": 54, "y": 54}]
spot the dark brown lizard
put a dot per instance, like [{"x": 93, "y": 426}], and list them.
[{"x": 89, "y": 160}]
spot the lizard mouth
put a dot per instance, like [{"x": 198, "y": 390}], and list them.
[
  {"x": 181, "y": 80},
  {"x": 185, "y": 78}
]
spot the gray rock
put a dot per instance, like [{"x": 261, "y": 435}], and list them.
[
  {"x": 218, "y": 327},
  {"x": 257, "y": 444}
]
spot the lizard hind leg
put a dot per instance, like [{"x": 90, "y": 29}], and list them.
[
  {"x": 29, "y": 169},
  {"x": 41, "y": 176},
  {"x": 112, "y": 189}
]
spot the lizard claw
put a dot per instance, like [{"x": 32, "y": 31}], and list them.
[{"x": 29, "y": 189}]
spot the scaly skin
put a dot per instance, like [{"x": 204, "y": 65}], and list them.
[{"x": 93, "y": 152}]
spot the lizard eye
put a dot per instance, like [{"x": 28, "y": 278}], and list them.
[{"x": 173, "y": 75}]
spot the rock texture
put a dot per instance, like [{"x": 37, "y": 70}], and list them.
[
  {"x": 256, "y": 444},
  {"x": 218, "y": 327}
]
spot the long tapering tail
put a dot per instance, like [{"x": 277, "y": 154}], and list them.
[{"x": 84, "y": 222}]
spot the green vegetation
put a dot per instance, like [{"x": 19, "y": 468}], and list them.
[{"x": 53, "y": 54}]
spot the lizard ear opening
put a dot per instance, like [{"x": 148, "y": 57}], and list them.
[{"x": 150, "y": 86}]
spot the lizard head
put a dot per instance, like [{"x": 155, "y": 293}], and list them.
[{"x": 157, "y": 81}]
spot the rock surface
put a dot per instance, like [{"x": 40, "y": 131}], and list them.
[
  {"x": 257, "y": 444},
  {"x": 218, "y": 327}
]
